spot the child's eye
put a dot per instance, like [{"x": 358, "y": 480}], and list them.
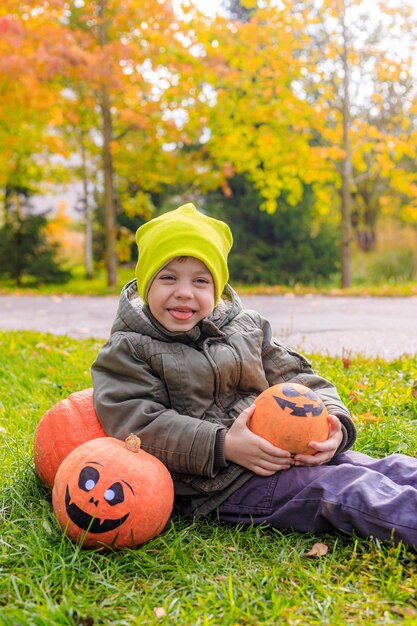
[
  {"x": 202, "y": 281},
  {"x": 166, "y": 277}
]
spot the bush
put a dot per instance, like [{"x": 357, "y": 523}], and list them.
[
  {"x": 394, "y": 266},
  {"x": 25, "y": 251},
  {"x": 381, "y": 267}
]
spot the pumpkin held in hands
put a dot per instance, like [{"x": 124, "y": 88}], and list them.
[
  {"x": 63, "y": 427},
  {"x": 112, "y": 493},
  {"x": 290, "y": 415}
]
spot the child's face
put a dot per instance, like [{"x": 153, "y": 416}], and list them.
[{"x": 181, "y": 294}]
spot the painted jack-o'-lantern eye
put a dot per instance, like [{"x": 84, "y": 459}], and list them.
[
  {"x": 292, "y": 392},
  {"x": 88, "y": 479},
  {"x": 114, "y": 494}
]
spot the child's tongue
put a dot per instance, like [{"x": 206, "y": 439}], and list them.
[{"x": 181, "y": 314}]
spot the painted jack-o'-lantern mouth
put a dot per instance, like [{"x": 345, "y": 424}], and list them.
[
  {"x": 314, "y": 409},
  {"x": 85, "y": 521}
]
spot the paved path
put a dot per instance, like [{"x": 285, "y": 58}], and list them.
[{"x": 328, "y": 325}]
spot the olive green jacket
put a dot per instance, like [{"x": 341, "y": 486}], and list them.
[{"x": 180, "y": 392}]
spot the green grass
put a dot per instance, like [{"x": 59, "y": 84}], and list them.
[
  {"x": 202, "y": 572},
  {"x": 78, "y": 285}
]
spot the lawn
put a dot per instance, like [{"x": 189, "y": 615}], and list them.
[{"x": 195, "y": 572}]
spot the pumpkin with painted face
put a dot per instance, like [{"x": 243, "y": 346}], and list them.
[
  {"x": 290, "y": 415},
  {"x": 110, "y": 493}
]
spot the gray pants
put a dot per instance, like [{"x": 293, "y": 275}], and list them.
[{"x": 353, "y": 493}]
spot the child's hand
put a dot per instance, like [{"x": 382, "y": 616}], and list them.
[
  {"x": 245, "y": 448},
  {"x": 325, "y": 449}
]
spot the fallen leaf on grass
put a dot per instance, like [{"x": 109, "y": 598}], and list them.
[
  {"x": 404, "y": 611},
  {"x": 361, "y": 385},
  {"x": 369, "y": 417},
  {"x": 159, "y": 612},
  {"x": 43, "y": 346},
  {"x": 82, "y": 620},
  {"x": 47, "y": 527},
  {"x": 353, "y": 396},
  {"x": 318, "y": 549}
]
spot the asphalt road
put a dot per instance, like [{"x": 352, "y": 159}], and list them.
[{"x": 337, "y": 326}]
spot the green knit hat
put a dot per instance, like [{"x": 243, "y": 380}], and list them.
[{"x": 183, "y": 232}]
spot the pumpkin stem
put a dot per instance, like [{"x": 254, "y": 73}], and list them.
[{"x": 133, "y": 443}]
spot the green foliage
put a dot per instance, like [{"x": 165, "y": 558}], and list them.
[
  {"x": 25, "y": 251},
  {"x": 285, "y": 247},
  {"x": 386, "y": 266},
  {"x": 199, "y": 573}
]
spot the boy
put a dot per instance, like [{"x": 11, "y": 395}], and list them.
[{"x": 182, "y": 368}]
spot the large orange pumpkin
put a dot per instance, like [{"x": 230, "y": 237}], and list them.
[
  {"x": 290, "y": 415},
  {"x": 62, "y": 428},
  {"x": 112, "y": 493}
]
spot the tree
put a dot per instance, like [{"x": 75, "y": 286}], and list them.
[
  {"x": 258, "y": 125},
  {"x": 393, "y": 113},
  {"x": 343, "y": 81},
  {"x": 29, "y": 106},
  {"x": 135, "y": 71},
  {"x": 295, "y": 86},
  {"x": 24, "y": 248},
  {"x": 127, "y": 73}
]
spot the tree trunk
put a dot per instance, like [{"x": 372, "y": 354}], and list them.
[
  {"x": 88, "y": 216},
  {"x": 345, "y": 225},
  {"x": 89, "y": 270},
  {"x": 346, "y": 198},
  {"x": 3, "y": 207},
  {"x": 107, "y": 132}
]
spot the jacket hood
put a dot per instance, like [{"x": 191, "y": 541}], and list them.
[{"x": 133, "y": 315}]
